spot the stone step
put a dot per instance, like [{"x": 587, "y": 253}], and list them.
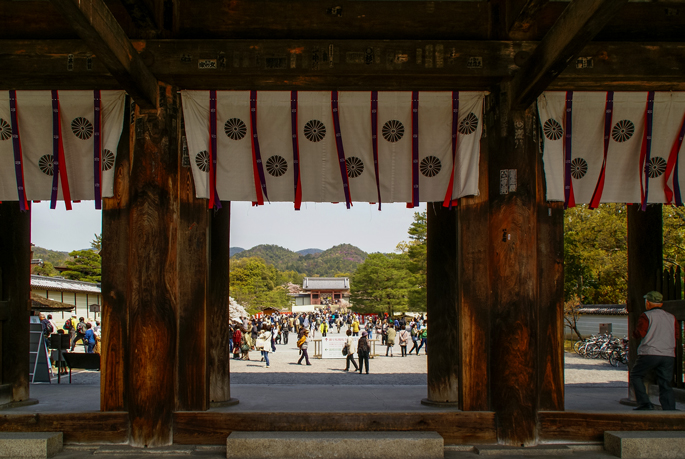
[
  {"x": 636, "y": 445},
  {"x": 367, "y": 445},
  {"x": 30, "y": 444},
  {"x": 540, "y": 450}
]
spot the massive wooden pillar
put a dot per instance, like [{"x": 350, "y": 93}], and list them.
[
  {"x": 165, "y": 283},
  {"x": 115, "y": 245},
  {"x": 15, "y": 291},
  {"x": 645, "y": 263},
  {"x": 442, "y": 288},
  {"x": 510, "y": 245},
  {"x": 217, "y": 308}
]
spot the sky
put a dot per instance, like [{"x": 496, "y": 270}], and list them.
[{"x": 316, "y": 225}]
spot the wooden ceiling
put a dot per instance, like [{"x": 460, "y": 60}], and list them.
[{"x": 315, "y": 44}]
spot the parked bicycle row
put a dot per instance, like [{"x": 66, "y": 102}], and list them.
[{"x": 615, "y": 350}]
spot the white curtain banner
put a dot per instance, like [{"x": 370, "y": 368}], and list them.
[
  {"x": 320, "y": 159},
  {"x": 624, "y": 123},
  {"x": 34, "y": 125}
]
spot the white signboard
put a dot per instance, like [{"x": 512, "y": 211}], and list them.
[{"x": 331, "y": 346}]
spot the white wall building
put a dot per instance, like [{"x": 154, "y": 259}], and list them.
[{"x": 85, "y": 296}]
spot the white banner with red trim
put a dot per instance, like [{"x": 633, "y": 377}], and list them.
[
  {"x": 334, "y": 141},
  {"x": 613, "y": 147},
  {"x": 44, "y": 123}
]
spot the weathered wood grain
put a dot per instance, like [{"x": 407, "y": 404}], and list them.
[
  {"x": 213, "y": 427},
  {"x": 513, "y": 275},
  {"x": 92, "y": 427},
  {"x": 577, "y": 25},
  {"x": 15, "y": 289},
  {"x": 153, "y": 274},
  {"x": 442, "y": 289},
  {"x": 521, "y": 16},
  {"x": 218, "y": 361},
  {"x": 97, "y": 26},
  {"x": 645, "y": 263},
  {"x": 474, "y": 286},
  {"x": 583, "y": 426},
  {"x": 194, "y": 329},
  {"x": 115, "y": 305}
]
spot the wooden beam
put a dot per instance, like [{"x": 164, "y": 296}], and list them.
[
  {"x": 98, "y": 28},
  {"x": 575, "y": 28},
  {"x": 141, "y": 16},
  {"x": 65, "y": 64},
  {"x": 521, "y": 15}
]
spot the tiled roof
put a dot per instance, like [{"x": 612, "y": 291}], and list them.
[
  {"x": 58, "y": 283},
  {"x": 326, "y": 283}
]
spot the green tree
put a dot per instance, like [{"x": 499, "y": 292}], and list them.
[
  {"x": 674, "y": 236},
  {"x": 416, "y": 251},
  {"x": 85, "y": 265},
  {"x": 256, "y": 285},
  {"x": 382, "y": 284},
  {"x": 47, "y": 269},
  {"x": 96, "y": 244}
]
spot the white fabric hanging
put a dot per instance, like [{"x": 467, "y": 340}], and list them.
[
  {"x": 320, "y": 172},
  {"x": 35, "y": 127},
  {"x": 622, "y": 175}
]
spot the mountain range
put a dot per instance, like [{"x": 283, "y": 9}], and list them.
[{"x": 342, "y": 258}]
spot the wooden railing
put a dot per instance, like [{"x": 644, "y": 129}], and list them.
[{"x": 670, "y": 284}]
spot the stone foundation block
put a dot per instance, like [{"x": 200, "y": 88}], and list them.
[
  {"x": 366, "y": 445},
  {"x": 637, "y": 445},
  {"x": 30, "y": 444}
]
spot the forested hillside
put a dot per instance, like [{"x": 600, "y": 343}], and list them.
[{"x": 341, "y": 259}]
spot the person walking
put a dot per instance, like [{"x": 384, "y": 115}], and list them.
[
  {"x": 286, "y": 331},
  {"x": 415, "y": 339},
  {"x": 324, "y": 328},
  {"x": 80, "y": 334},
  {"x": 303, "y": 344},
  {"x": 423, "y": 336},
  {"x": 245, "y": 345},
  {"x": 390, "y": 340},
  {"x": 363, "y": 350},
  {"x": 237, "y": 342},
  {"x": 404, "y": 337},
  {"x": 658, "y": 330},
  {"x": 89, "y": 336},
  {"x": 351, "y": 350},
  {"x": 263, "y": 342},
  {"x": 355, "y": 327}
]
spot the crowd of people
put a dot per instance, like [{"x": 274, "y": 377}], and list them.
[
  {"x": 87, "y": 332},
  {"x": 263, "y": 333}
]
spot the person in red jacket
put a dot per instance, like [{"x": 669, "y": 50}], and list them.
[{"x": 658, "y": 330}]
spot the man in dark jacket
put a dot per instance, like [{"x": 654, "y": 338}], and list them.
[{"x": 657, "y": 329}]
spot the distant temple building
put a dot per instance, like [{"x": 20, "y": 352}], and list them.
[{"x": 318, "y": 291}]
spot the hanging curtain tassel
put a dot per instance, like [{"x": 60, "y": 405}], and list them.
[
  {"x": 374, "y": 141},
  {"x": 646, "y": 151},
  {"x": 214, "y": 201},
  {"x": 340, "y": 149},
  {"x": 599, "y": 188},
  {"x": 296, "y": 150},
  {"x": 97, "y": 148},
  {"x": 414, "y": 149},
  {"x": 672, "y": 168},
  {"x": 569, "y": 199},
  {"x": 18, "y": 156},
  {"x": 258, "y": 170},
  {"x": 449, "y": 202}
]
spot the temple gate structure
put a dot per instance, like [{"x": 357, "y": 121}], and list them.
[{"x": 495, "y": 222}]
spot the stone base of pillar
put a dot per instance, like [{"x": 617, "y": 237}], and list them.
[
  {"x": 229, "y": 402},
  {"x": 428, "y": 402}
]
